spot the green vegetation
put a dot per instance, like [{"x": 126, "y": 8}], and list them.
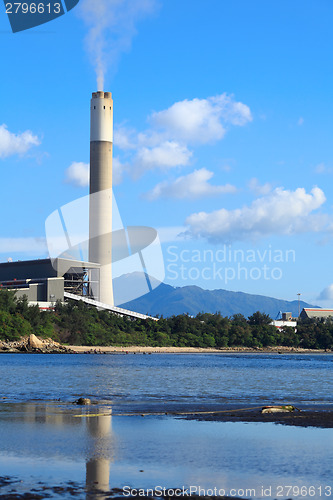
[{"x": 80, "y": 324}]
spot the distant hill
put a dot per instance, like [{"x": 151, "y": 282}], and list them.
[{"x": 167, "y": 300}]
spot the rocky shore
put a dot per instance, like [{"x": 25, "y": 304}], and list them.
[{"x": 33, "y": 344}]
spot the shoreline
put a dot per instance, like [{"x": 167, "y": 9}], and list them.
[
  {"x": 193, "y": 350},
  {"x": 38, "y": 345}
]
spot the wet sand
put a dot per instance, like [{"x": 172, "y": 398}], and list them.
[
  {"x": 11, "y": 488},
  {"x": 311, "y": 417},
  {"x": 320, "y": 416}
]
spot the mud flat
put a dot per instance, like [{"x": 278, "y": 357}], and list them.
[
  {"x": 310, "y": 417},
  {"x": 12, "y": 488}
]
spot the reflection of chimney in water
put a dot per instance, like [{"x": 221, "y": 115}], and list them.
[
  {"x": 97, "y": 477},
  {"x": 98, "y": 467}
]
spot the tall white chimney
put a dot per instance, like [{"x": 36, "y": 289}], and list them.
[{"x": 100, "y": 208}]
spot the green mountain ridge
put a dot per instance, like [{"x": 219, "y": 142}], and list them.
[{"x": 167, "y": 300}]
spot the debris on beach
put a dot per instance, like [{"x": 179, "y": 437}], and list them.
[
  {"x": 83, "y": 401},
  {"x": 279, "y": 409}
]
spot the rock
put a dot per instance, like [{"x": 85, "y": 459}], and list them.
[
  {"x": 279, "y": 409},
  {"x": 83, "y": 401},
  {"x": 9, "y": 349},
  {"x": 35, "y": 343}
]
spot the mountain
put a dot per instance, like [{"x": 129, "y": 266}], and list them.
[{"x": 167, "y": 300}]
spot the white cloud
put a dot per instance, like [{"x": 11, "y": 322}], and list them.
[
  {"x": 77, "y": 174},
  {"x": 191, "y": 186},
  {"x": 321, "y": 168},
  {"x": 201, "y": 120},
  {"x": 117, "y": 171},
  {"x": 23, "y": 245},
  {"x": 280, "y": 212},
  {"x": 300, "y": 121},
  {"x": 125, "y": 138},
  {"x": 169, "y": 234},
  {"x": 150, "y": 150},
  {"x": 166, "y": 143},
  {"x": 259, "y": 189},
  {"x": 12, "y": 144},
  {"x": 327, "y": 293},
  {"x": 167, "y": 155},
  {"x": 226, "y": 167}
]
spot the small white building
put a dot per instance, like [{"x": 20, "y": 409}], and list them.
[{"x": 286, "y": 320}]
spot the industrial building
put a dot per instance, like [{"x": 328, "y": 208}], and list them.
[
  {"x": 46, "y": 281},
  {"x": 317, "y": 313},
  {"x": 286, "y": 320}
]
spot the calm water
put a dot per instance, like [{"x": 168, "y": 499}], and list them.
[
  {"x": 199, "y": 378},
  {"x": 52, "y": 441}
]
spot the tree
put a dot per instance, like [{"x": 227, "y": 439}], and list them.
[
  {"x": 238, "y": 319},
  {"x": 259, "y": 318},
  {"x": 7, "y": 301}
]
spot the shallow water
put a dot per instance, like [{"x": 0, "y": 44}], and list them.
[
  {"x": 52, "y": 445},
  {"x": 44, "y": 441},
  {"x": 198, "y": 378}
]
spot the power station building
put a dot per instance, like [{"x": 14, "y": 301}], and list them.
[
  {"x": 316, "y": 313},
  {"x": 45, "y": 281}
]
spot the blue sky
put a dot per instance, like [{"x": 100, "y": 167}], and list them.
[{"x": 223, "y": 117}]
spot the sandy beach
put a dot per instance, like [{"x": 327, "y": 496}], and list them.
[
  {"x": 41, "y": 345},
  {"x": 191, "y": 350}
]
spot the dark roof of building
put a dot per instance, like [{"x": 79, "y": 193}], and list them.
[{"x": 41, "y": 268}]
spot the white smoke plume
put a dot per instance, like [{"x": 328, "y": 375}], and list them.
[{"x": 112, "y": 26}]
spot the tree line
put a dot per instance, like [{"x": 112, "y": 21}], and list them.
[{"x": 77, "y": 323}]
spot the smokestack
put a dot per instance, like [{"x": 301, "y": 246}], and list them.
[{"x": 100, "y": 207}]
